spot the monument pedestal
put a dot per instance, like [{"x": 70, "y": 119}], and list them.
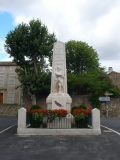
[{"x": 59, "y": 101}]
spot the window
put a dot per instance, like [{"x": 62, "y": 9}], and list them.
[
  {"x": 1, "y": 80},
  {"x": 2, "y": 69},
  {"x": 11, "y": 81},
  {"x": 10, "y": 97},
  {"x": 12, "y": 69}
]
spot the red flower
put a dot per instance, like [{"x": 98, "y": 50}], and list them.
[
  {"x": 84, "y": 111},
  {"x": 60, "y": 112},
  {"x": 27, "y": 109},
  {"x": 44, "y": 111}
]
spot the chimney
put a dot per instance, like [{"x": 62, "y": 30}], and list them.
[{"x": 110, "y": 69}]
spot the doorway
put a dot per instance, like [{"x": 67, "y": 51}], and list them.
[{"x": 1, "y": 97}]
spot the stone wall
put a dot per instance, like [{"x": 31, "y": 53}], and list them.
[
  {"x": 115, "y": 77},
  {"x": 113, "y": 108},
  {"x": 9, "y": 109},
  {"x": 113, "y": 105},
  {"x": 76, "y": 100}
]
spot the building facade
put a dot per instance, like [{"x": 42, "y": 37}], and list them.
[
  {"x": 114, "y": 76},
  {"x": 9, "y": 93}
]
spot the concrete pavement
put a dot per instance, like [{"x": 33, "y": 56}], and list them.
[{"x": 102, "y": 147}]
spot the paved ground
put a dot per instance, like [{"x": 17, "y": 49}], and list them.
[
  {"x": 113, "y": 123},
  {"x": 103, "y": 147},
  {"x": 7, "y": 121}
]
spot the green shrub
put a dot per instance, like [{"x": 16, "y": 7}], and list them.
[
  {"x": 82, "y": 106},
  {"x": 78, "y": 107},
  {"x": 94, "y": 100},
  {"x": 35, "y": 106},
  {"x": 17, "y": 114},
  {"x": 115, "y": 92},
  {"x": 73, "y": 108}
]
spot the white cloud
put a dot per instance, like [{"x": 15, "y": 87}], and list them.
[
  {"x": 3, "y": 53},
  {"x": 7, "y": 58},
  {"x": 1, "y": 45},
  {"x": 96, "y": 22},
  {"x": 22, "y": 18},
  {"x": 115, "y": 64}
]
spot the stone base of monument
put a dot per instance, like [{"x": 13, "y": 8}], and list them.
[
  {"x": 62, "y": 123},
  {"x": 36, "y": 131},
  {"x": 93, "y": 130},
  {"x": 59, "y": 101}
]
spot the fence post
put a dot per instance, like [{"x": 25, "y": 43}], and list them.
[
  {"x": 22, "y": 118},
  {"x": 96, "y": 118}
]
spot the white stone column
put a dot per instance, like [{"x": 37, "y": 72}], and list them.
[
  {"x": 96, "y": 118},
  {"x": 58, "y": 97},
  {"x": 22, "y": 118}
]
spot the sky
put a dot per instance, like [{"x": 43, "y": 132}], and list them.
[{"x": 95, "y": 22}]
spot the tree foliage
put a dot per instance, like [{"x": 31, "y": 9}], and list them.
[
  {"x": 84, "y": 74},
  {"x": 93, "y": 83},
  {"x": 80, "y": 57},
  {"x": 29, "y": 41},
  {"x": 29, "y": 45}
]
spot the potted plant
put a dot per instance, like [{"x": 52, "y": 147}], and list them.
[
  {"x": 81, "y": 117},
  {"x": 37, "y": 116},
  {"x": 27, "y": 115}
]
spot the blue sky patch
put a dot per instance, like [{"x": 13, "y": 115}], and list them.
[
  {"x": 3, "y": 55},
  {"x": 6, "y": 24}
]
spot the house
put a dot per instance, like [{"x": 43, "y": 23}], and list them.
[
  {"x": 114, "y": 76},
  {"x": 8, "y": 83}
]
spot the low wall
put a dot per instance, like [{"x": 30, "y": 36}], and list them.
[
  {"x": 9, "y": 109},
  {"x": 76, "y": 100},
  {"x": 113, "y": 105}
]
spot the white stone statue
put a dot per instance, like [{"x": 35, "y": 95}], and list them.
[{"x": 60, "y": 80}]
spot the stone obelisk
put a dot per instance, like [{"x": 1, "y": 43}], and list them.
[{"x": 58, "y": 97}]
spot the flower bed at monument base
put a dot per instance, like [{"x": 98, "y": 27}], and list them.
[
  {"x": 48, "y": 118},
  {"x": 58, "y": 118}
]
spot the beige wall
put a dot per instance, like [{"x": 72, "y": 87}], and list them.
[{"x": 7, "y": 88}]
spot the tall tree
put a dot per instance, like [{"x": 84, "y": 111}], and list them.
[
  {"x": 29, "y": 45},
  {"x": 80, "y": 57}
]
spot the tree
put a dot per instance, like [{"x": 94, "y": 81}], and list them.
[
  {"x": 29, "y": 45},
  {"x": 80, "y": 57},
  {"x": 93, "y": 83}
]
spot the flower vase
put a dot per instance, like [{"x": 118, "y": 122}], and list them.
[
  {"x": 27, "y": 118},
  {"x": 82, "y": 123},
  {"x": 36, "y": 124}
]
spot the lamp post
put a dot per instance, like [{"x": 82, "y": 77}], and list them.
[{"x": 107, "y": 93}]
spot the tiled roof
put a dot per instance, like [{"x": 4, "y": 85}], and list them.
[
  {"x": 7, "y": 63},
  {"x": 114, "y": 72}
]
